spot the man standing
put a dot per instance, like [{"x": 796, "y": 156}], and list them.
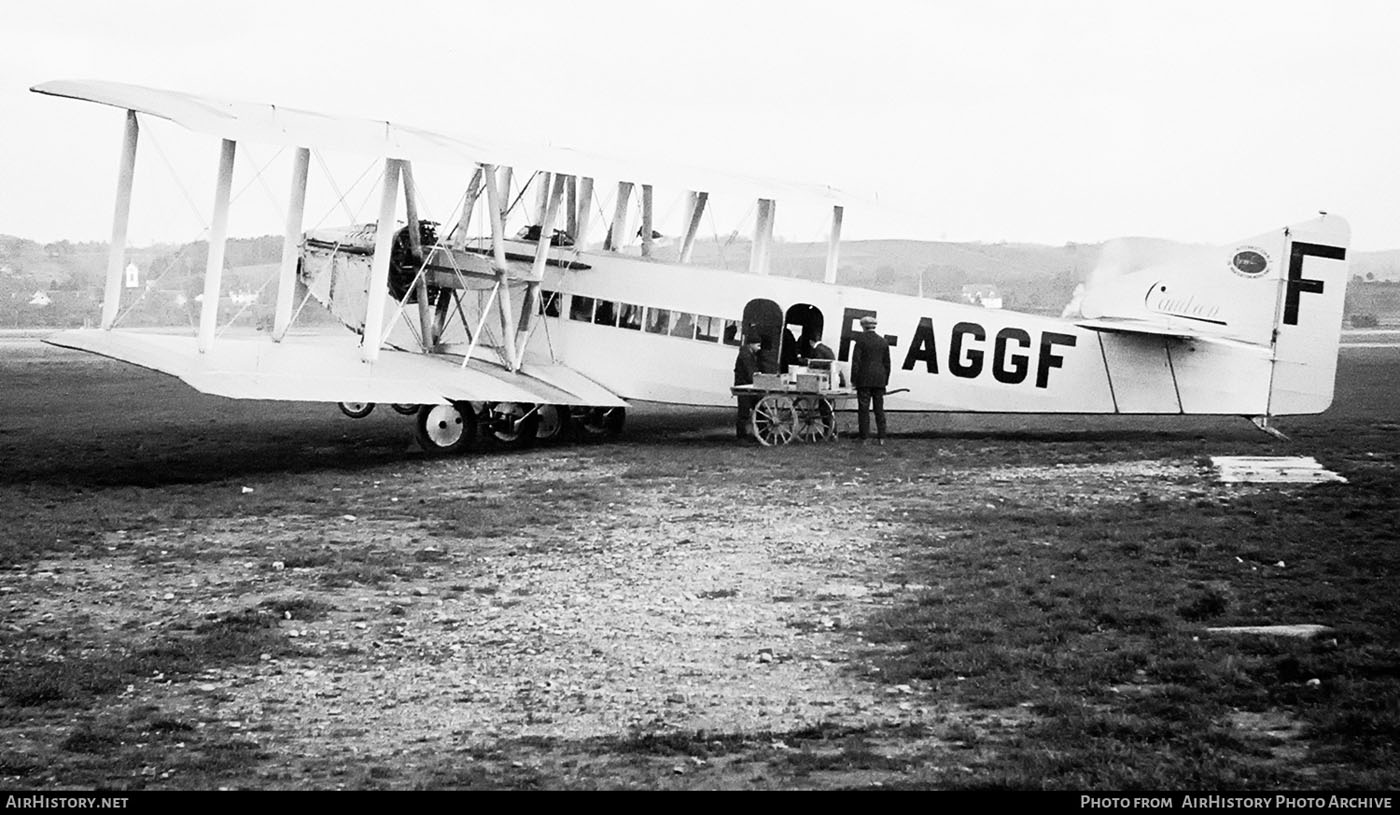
[
  {"x": 745, "y": 366},
  {"x": 870, "y": 375}
]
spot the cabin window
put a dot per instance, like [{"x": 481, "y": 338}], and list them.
[
  {"x": 605, "y": 313},
  {"x": 707, "y": 329},
  {"x": 629, "y": 316},
  {"x": 581, "y": 308},
  {"x": 549, "y": 303},
  {"x": 731, "y": 333},
  {"x": 658, "y": 321},
  {"x": 684, "y": 326}
]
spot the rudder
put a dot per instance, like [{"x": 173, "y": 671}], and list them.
[{"x": 1312, "y": 280}]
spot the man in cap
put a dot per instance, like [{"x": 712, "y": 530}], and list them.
[
  {"x": 745, "y": 366},
  {"x": 870, "y": 375}
]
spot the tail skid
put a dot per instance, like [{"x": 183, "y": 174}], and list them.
[{"x": 1262, "y": 422}]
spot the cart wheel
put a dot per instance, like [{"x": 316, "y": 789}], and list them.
[
  {"x": 774, "y": 420},
  {"x": 816, "y": 418},
  {"x": 404, "y": 409}
]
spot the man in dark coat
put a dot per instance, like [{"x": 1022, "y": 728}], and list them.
[
  {"x": 870, "y": 375},
  {"x": 745, "y": 366},
  {"x": 787, "y": 354}
]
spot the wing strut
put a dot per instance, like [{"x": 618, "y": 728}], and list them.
[
  {"x": 218, "y": 233},
  {"x": 616, "y": 236},
  {"x": 498, "y": 246},
  {"x": 762, "y": 237},
  {"x": 464, "y": 223},
  {"x": 379, "y": 267},
  {"x": 458, "y": 238},
  {"x": 647, "y": 231},
  {"x": 555, "y": 192},
  {"x": 571, "y": 205},
  {"x": 116, "y": 256},
  {"x": 555, "y": 186},
  {"x": 833, "y": 247},
  {"x": 427, "y": 334},
  {"x": 291, "y": 243},
  {"x": 585, "y": 210},
  {"x": 505, "y": 177},
  {"x": 696, "y": 209}
]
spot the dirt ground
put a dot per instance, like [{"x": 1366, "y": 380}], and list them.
[{"x": 541, "y": 618}]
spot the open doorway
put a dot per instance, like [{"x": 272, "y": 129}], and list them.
[
  {"x": 764, "y": 319},
  {"x": 802, "y": 330}
]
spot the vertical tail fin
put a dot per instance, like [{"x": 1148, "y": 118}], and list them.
[
  {"x": 1312, "y": 278},
  {"x": 1281, "y": 292}
]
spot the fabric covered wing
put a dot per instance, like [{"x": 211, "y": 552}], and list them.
[
  {"x": 274, "y": 124},
  {"x": 329, "y": 369}
]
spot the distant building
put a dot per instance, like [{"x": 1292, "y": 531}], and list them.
[
  {"x": 133, "y": 276},
  {"x": 982, "y": 294},
  {"x": 41, "y": 299}
]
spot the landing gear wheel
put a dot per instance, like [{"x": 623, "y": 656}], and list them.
[
  {"x": 444, "y": 429},
  {"x": 774, "y": 420},
  {"x": 356, "y": 410},
  {"x": 598, "y": 422},
  {"x": 512, "y": 424},
  {"x": 406, "y": 410},
  {"x": 816, "y": 418},
  {"x": 554, "y": 421}
]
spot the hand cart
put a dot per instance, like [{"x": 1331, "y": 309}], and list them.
[{"x": 786, "y": 410}]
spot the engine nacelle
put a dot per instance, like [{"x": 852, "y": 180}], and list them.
[{"x": 336, "y": 264}]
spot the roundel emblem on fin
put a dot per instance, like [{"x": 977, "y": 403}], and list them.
[{"x": 1249, "y": 261}]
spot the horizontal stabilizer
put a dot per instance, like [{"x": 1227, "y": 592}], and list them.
[{"x": 1131, "y": 326}]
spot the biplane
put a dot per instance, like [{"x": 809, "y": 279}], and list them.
[{"x": 479, "y": 333}]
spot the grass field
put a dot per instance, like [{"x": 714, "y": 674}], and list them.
[{"x": 1027, "y": 606}]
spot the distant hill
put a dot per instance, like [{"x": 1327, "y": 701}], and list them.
[{"x": 1030, "y": 277}]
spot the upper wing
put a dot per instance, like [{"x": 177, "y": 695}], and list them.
[
  {"x": 329, "y": 369},
  {"x": 301, "y": 128}
]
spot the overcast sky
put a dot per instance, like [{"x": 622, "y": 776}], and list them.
[{"x": 1052, "y": 121}]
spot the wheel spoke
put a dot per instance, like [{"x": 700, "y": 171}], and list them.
[
  {"x": 816, "y": 419},
  {"x": 774, "y": 420}
]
